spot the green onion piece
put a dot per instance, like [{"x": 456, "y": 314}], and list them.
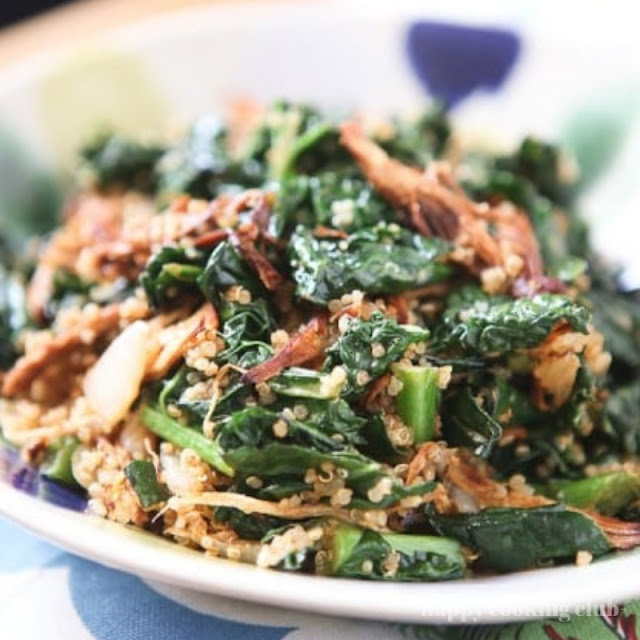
[
  {"x": 185, "y": 438},
  {"x": 417, "y": 402},
  {"x": 57, "y": 464},
  {"x": 144, "y": 481},
  {"x": 607, "y": 493},
  {"x": 345, "y": 540}
]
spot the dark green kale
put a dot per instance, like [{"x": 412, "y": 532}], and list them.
[
  {"x": 419, "y": 140},
  {"x": 296, "y": 382},
  {"x": 530, "y": 178},
  {"x": 144, "y": 481},
  {"x": 510, "y": 405},
  {"x": 622, "y": 417},
  {"x": 466, "y": 423},
  {"x": 13, "y": 315},
  {"x": 114, "y": 161},
  {"x": 340, "y": 198},
  {"x": 300, "y": 560},
  {"x": 184, "y": 437},
  {"x": 254, "y": 427},
  {"x": 295, "y": 139},
  {"x": 353, "y": 349},
  {"x": 617, "y": 317},
  {"x": 224, "y": 269},
  {"x": 171, "y": 273},
  {"x": 201, "y": 166},
  {"x": 476, "y": 322},
  {"x": 554, "y": 441},
  {"x": 173, "y": 391},
  {"x": 515, "y": 539},
  {"x": 418, "y": 401},
  {"x": 246, "y": 327},
  {"x": 333, "y": 416},
  {"x": 357, "y": 553},
  {"x": 249, "y": 526},
  {"x": 541, "y": 164},
  {"x": 345, "y": 200},
  {"x": 383, "y": 259},
  {"x": 250, "y": 446}
]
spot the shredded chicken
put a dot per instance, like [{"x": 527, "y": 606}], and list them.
[
  {"x": 51, "y": 347},
  {"x": 497, "y": 243},
  {"x": 467, "y": 481}
]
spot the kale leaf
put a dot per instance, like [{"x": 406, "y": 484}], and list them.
[
  {"x": 13, "y": 315},
  {"x": 114, "y": 161},
  {"x": 617, "y": 317},
  {"x": 353, "y": 349},
  {"x": 418, "y": 140},
  {"x": 144, "y": 481},
  {"x": 466, "y": 423},
  {"x": 200, "y": 164},
  {"x": 476, "y": 322},
  {"x": 246, "y": 329},
  {"x": 249, "y": 526},
  {"x": 607, "y": 493},
  {"x": 172, "y": 272},
  {"x": 622, "y": 417},
  {"x": 514, "y": 539},
  {"x": 224, "y": 269},
  {"x": 357, "y": 553},
  {"x": 378, "y": 260},
  {"x": 251, "y": 447}
]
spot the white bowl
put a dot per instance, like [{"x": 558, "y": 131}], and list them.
[{"x": 544, "y": 76}]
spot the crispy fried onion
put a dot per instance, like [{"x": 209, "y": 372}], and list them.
[
  {"x": 496, "y": 243},
  {"x": 251, "y": 236},
  {"x": 308, "y": 344}
]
